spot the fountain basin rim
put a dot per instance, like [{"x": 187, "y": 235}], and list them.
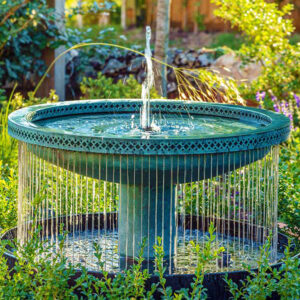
[{"x": 21, "y": 126}]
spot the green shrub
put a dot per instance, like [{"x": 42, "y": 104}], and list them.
[
  {"x": 8, "y": 145},
  {"x": 27, "y": 28},
  {"x": 266, "y": 31},
  {"x": 37, "y": 276},
  {"x": 289, "y": 185},
  {"x": 33, "y": 278},
  {"x": 103, "y": 88},
  {"x": 262, "y": 284},
  {"x": 9, "y": 159},
  {"x": 295, "y": 39},
  {"x": 8, "y": 197},
  {"x": 2, "y": 95}
]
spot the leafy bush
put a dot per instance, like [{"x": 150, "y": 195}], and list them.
[
  {"x": 9, "y": 159},
  {"x": 266, "y": 281},
  {"x": 38, "y": 274},
  {"x": 90, "y": 11},
  {"x": 2, "y": 95},
  {"x": 289, "y": 185},
  {"x": 8, "y": 197},
  {"x": 8, "y": 145},
  {"x": 266, "y": 31},
  {"x": 27, "y": 28},
  {"x": 295, "y": 39},
  {"x": 103, "y": 88}
]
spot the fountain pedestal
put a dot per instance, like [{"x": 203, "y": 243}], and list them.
[{"x": 146, "y": 212}]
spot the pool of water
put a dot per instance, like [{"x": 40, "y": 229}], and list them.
[
  {"x": 162, "y": 125},
  {"x": 79, "y": 249}
]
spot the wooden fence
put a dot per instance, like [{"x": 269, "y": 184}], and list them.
[{"x": 186, "y": 13}]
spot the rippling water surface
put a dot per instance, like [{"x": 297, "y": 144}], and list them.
[{"x": 163, "y": 125}]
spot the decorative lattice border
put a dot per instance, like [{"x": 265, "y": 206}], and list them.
[{"x": 274, "y": 129}]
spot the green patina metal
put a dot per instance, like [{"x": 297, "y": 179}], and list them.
[
  {"x": 22, "y": 126},
  {"x": 132, "y": 162}
]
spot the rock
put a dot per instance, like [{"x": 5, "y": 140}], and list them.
[
  {"x": 113, "y": 66},
  {"x": 229, "y": 65},
  {"x": 171, "y": 75},
  {"x": 96, "y": 64},
  {"x": 90, "y": 72},
  {"x": 204, "y": 60},
  {"x": 171, "y": 56},
  {"x": 171, "y": 87},
  {"x": 190, "y": 59},
  {"x": 136, "y": 64},
  {"x": 182, "y": 59},
  {"x": 72, "y": 62},
  {"x": 73, "y": 53}
]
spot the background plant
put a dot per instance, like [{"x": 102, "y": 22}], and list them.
[
  {"x": 9, "y": 158},
  {"x": 289, "y": 185},
  {"x": 27, "y": 29},
  {"x": 8, "y": 196},
  {"x": 263, "y": 283},
  {"x": 41, "y": 274},
  {"x": 266, "y": 31},
  {"x": 103, "y": 88}
]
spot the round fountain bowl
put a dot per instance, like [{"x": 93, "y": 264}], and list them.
[
  {"x": 201, "y": 161},
  {"x": 233, "y": 136}
]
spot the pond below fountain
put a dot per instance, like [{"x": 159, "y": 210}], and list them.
[{"x": 79, "y": 249}]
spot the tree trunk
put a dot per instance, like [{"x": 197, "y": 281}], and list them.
[
  {"x": 123, "y": 14},
  {"x": 56, "y": 77},
  {"x": 79, "y": 16},
  {"x": 161, "y": 44}
]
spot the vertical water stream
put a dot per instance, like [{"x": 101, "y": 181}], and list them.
[
  {"x": 80, "y": 192},
  {"x": 147, "y": 84}
]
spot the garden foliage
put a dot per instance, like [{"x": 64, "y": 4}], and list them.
[
  {"x": 262, "y": 284},
  {"x": 38, "y": 274},
  {"x": 103, "y": 88},
  {"x": 266, "y": 31},
  {"x": 27, "y": 29},
  {"x": 289, "y": 185}
]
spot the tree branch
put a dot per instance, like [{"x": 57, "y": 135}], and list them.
[{"x": 12, "y": 11}]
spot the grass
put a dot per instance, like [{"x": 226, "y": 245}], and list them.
[
  {"x": 231, "y": 40},
  {"x": 295, "y": 39}
]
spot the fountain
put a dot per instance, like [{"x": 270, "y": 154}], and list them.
[{"x": 112, "y": 178}]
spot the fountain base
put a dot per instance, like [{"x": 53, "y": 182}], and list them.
[{"x": 146, "y": 212}]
